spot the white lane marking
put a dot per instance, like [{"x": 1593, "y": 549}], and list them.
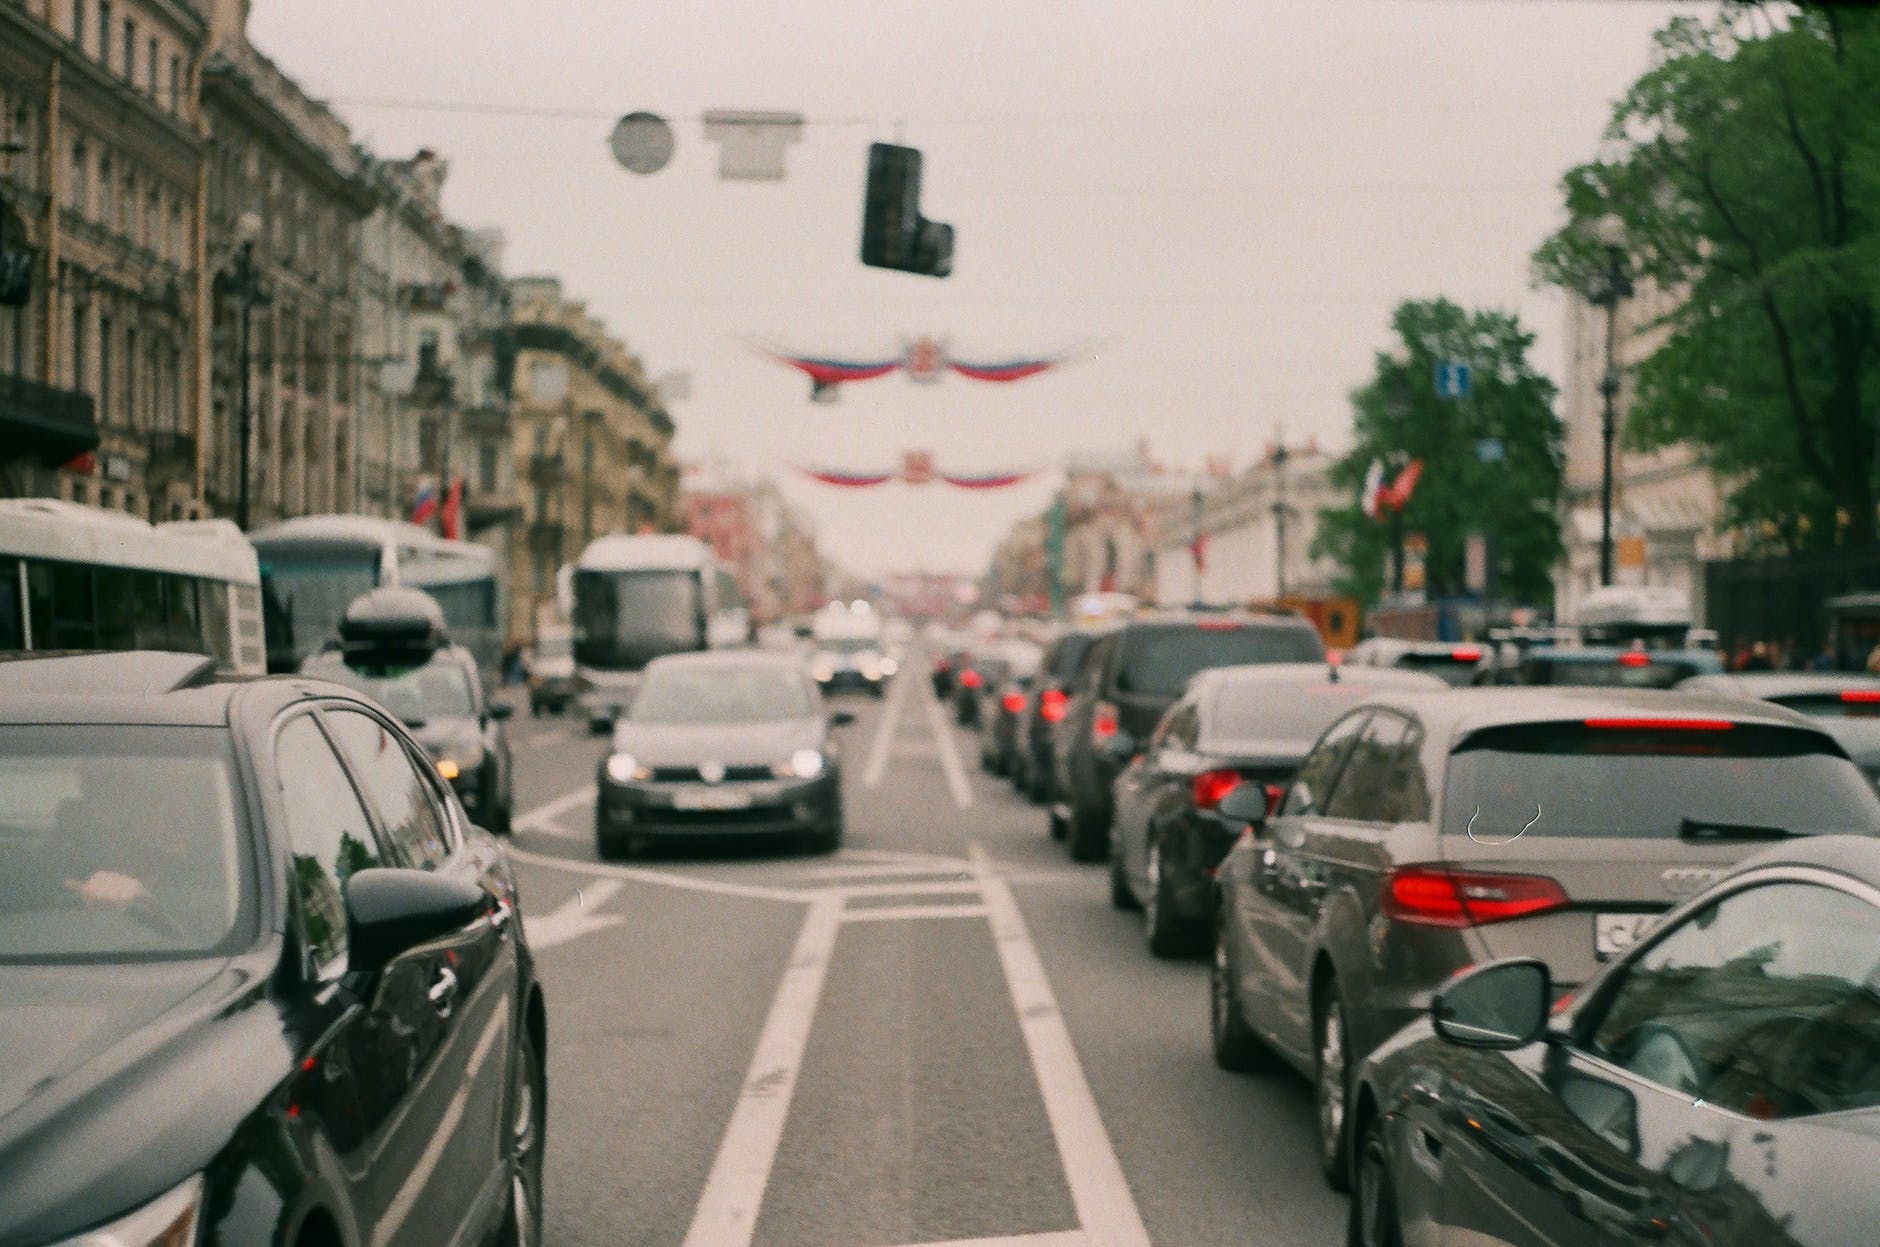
[
  {"x": 1059, "y": 1238},
  {"x": 884, "y": 734},
  {"x": 900, "y": 913},
  {"x": 958, "y": 870},
  {"x": 1105, "y": 1208},
  {"x": 687, "y": 883},
  {"x": 576, "y": 916},
  {"x": 937, "y": 887},
  {"x": 542, "y": 817},
  {"x": 727, "y": 1210},
  {"x": 949, "y": 756}
]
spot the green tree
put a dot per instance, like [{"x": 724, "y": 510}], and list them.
[
  {"x": 1492, "y": 461},
  {"x": 1743, "y": 169}
]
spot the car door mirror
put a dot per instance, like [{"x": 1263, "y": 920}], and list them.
[
  {"x": 1500, "y": 1005},
  {"x": 841, "y": 718},
  {"x": 500, "y": 711},
  {"x": 391, "y": 910},
  {"x": 1245, "y": 803}
]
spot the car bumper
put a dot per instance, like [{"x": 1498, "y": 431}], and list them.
[
  {"x": 599, "y": 705},
  {"x": 843, "y": 681},
  {"x": 758, "y": 807}
]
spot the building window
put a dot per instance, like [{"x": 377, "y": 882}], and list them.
[
  {"x": 176, "y": 84},
  {"x": 130, "y": 51},
  {"x": 131, "y": 396},
  {"x": 104, "y": 370},
  {"x": 81, "y": 186},
  {"x": 150, "y": 80},
  {"x": 104, "y": 32},
  {"x": 79, "y": 349},
  {"x": 106, "y": 207},
  {"x": 78, "y": 24},
  {"x": 488, "y": 464}
]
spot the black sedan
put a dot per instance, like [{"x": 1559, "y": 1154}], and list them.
[
  {"x": 262, "y": 981},
  {"x": 721, "y": 743},
  {"x": 1235, "y": 726},
  {"x": 1718, "y": 1084}
]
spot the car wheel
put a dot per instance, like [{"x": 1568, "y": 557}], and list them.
[
  {"x": 1168, "y": 933},
  {"x": 1373, "y": 1204},
  {"x": 1236, "y": 1047},
  {"x": 599, "y": 727},
  {"x": 829, "y": 839},
  {"x": 1089, "y": 839},
  {"x": 522, "y": 1223},
  {"x": 535, "y": 709},
  {"x": 1038, "y": 785},
  {"x": 1120, "y": 895},
  {"x": 1331, "y": 1087}
]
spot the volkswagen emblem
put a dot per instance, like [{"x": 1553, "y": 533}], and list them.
[
  {"x": 712, "y": 772},
  {"x": 1689, "y": 880}
]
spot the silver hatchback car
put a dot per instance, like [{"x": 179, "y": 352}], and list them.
[{"x": 1429, "y": 832}]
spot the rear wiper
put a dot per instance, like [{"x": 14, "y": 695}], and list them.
[{"x": 1704, "y": 829}]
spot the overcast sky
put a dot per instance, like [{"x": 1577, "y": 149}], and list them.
[{"x": 1222, "y": 201}]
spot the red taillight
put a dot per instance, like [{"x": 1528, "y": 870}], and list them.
[
  {"x": 1051, "y": 705},
  {"x": 1864, "y": 696},
  {"x": 1014, "y": 703},
  {"x": 1433, "y": 897},
  {"x": 1334, "y": 657},
  {"x": 1211, "y": 786},
  {"x": 1104, "y": 723},
  {"x": 1466, "y": 653},
  {"x": 1635, "y": 658},
  {"x": 1274, "y": 795},
  {"x": 1661, "y": 725},
  {"x": 970, "y": 678},
  {"x": 1219, "y": 625}
]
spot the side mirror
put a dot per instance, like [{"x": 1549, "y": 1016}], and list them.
[
  {"x": 1500, "y": 1005},
  {"x": 841, "y": 718},
  {"x": 1120, "y": 748},
  {"x": 391, "y": 910},
  {"x": 1245, "y": 803},
  {"x": 501, "y": 710}
]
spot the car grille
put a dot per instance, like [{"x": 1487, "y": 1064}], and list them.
[{"x": 690, "y": 775}]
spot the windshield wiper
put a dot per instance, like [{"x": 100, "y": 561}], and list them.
[{"x": 1707, "y": 830}]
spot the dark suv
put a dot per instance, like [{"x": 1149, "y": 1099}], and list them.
[{"x": 1129, "y": 679}]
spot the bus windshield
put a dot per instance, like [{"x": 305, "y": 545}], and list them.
[
  {"x": 310, "y": 588},
  {"x": 624, "y": 619}
]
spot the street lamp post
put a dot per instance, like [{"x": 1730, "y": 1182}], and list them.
[
  {"x": 1194, "y": 545},
  {"x": 1281, "y": 511},
  {"x": 241, "y": 281},
  {"x": 1610, "y": 285}
]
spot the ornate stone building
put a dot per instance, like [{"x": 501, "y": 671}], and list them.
[
  {"x": 103, "y": 301},
  {"x": 590, "y": 436}
]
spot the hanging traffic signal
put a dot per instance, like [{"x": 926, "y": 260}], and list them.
[{"x": 894, "y": 233}]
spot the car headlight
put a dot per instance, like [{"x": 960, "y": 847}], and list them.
[
  {"x": 169, "y": 1220},
  {"x": 624, "y": 768},
  {"x": 889, "y": 666},
  {"x": 803, "y": 764},
  {"x": 824, "y": 672}
]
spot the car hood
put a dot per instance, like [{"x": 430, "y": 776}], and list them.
[
  {"x": 734, "y": 744},
  {"x": 121, "y": 1080}
]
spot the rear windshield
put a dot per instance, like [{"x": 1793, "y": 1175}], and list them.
[
  {"x": 1833, "y": 706},
  {"x": 1453, "y": 671},
  {"x": 1741, "y": 782},
  {"x": 1160, "y": 660},
  {"x": 1608, "y": 673}
]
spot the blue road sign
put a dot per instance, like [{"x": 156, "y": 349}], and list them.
[{"x": 1452, "y": 379}]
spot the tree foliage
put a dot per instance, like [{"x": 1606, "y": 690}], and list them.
[
  {"x": 1397, "y": 414},
  {"x": 1744, "y": 168}
]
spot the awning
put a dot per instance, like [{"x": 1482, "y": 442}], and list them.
[{"x": 50, "y": 424}]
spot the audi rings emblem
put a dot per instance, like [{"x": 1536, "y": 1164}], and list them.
[
  {"x": 1689, "y": 880},
  {"x": 712, "y": 772}
]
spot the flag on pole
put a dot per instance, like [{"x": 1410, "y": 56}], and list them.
[
  {"x": 1397, "y": 497},
  {"x": 1199, "y": 548},
  {"x": 451, "y": 515},
  {"x": 1370, "y": 494},
  {"x": 426, "y": 505}
]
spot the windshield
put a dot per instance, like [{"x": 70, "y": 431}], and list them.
[
  {"x": 1744, "y": 781},
  {"x": 1160, "y": 661},
  {"x": 722, "y": 695},
  {"x": 440, "y": 689},
  {"x": 623, "y": 620},
  {"x": 849, "y": 645},
  {"x": 311, "y": 588},
  {"x": 118, "y": 842}
]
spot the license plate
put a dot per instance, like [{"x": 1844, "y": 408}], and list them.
[
  {"x": 711, "y": 799},
  {"x": 1614, "y": 933}
]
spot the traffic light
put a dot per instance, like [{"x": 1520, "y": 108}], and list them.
[{"x": 894, "y": 233}]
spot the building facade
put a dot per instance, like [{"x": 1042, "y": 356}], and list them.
[
  {"x": 1257, "y": 528},
  {"x": 591, "y": 438},
  {"x": 103, "y": 305},
  {"x": 769, "y": 541}
]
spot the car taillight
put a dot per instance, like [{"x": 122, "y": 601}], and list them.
[
  {"x": 1466, "y": 653},
  {"x": 1865, "y": 696},
  {"x": 1635, "y": 658},
  {"x": 1433, "y": 897},
  {"x": 970, "y": 678},
  {"x": 1051, "y": 705},
  {"x": 1661, "y": 725},
  {"x": 1014, "y": 703},
  {"x": 1275, "y": 793},
  {"x": 1211, "y": 786},
  {"x": 1104, "y": 723}
]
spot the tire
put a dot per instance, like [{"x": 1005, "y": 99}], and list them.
[
  {"x": 1038, "y": 784},
  {"x": 501, "y": 813},
  {"x": 1236, "y": 1047},
  {"x": 829, "y": 839},
  {"x": 522, "y": 1219},
  {"x": 1059, "y": 827},
  {"x": 1167, "y": 932},
  {"x": 1089, "y": 838},
  {"x": 1374, "y": 1220},
  {"x": 1331, "y": 1086},
  {"x": 599, "y": 727},
  {"x": 1120, "y": 895}
]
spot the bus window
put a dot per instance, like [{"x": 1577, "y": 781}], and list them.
[
  {"x": 72, "y": 612},
  {"x": 113, "y": 587},
  {"x": 148, "y": 621},
  {"x": 12, "y": 621},
  {"x": 212, "y": 599},
  {"x": 183, "y": 629}
]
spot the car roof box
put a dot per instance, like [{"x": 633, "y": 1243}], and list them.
[{"x": 392, "y": 623}]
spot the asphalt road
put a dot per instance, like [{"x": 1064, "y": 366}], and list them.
[{"x": 941, "y": 1035}]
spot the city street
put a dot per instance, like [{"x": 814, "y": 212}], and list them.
[{"x": 943, "y": 1034}]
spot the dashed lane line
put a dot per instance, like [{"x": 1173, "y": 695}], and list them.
[
  {"x": 912, "y": 913},
  {"x": 542, "y": 817},
  {"x": 884, "y": 733},
  {"x": 949, "y": 754},
  {"x": 576, "y": 916},
  {"x": 666, "y": 879}
]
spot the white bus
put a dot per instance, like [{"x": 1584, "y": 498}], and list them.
[
  {"x": 74, "y": 577},
  {"x": 314, "y": 565},
  {"x": 634, "y": 598}
]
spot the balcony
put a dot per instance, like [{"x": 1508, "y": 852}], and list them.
[
  {"x": 547, "y": 469},
  {"x": 171, "y": 454},
  {"x": 43, "y": 420},
  {"x": 546, "y": 535}
]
